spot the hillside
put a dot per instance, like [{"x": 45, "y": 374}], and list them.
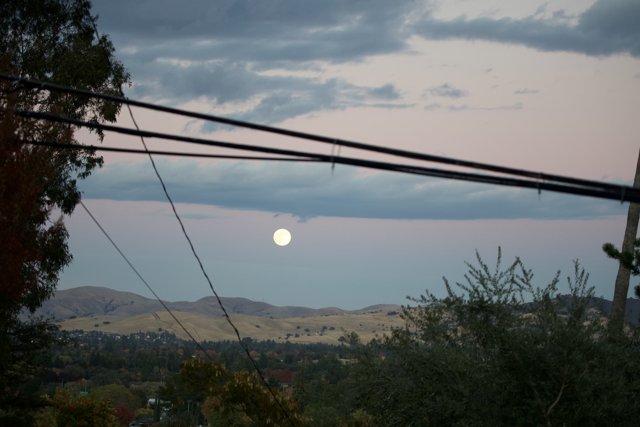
[
  {"x": 91, "y": 301},
  {"x": 103, "y": 309},
  {"x": 322, "y": 329}
]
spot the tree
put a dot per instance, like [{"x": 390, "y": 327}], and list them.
[
  {"x": 499, "y": 351},
  {"x": 55, "y": 41},
  {"x": 229, "y": 398},
  {"x": 77, "y": 411},
  {"x": 629, "y": 259},
  {"x": 621, "y": 289},
  {"x": 323, "y": 389},
  {"x": 118, "y": 396}
]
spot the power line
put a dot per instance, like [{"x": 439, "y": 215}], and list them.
[
  {"x": 39, "y": 85},
  {"x": 184, "y": 231},
  {"x": 578, "y": 186},
  {"x": 206, "y": 275},
  {"x": 257, "y": 369},
  {"x": 165, "y": 153},
  {"x": 142, "y": 279},
  {"x": 600, "y": 190}
]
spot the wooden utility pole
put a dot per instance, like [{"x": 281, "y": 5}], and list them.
[{"x": 616, "y": 320}]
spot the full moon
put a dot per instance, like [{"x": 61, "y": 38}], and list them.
[{"x": 282, "y": 237}]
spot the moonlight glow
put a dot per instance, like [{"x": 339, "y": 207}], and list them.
[{"x": 282, "y": 237}]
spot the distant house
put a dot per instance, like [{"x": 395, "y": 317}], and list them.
[{"x": 284, "y": 377}]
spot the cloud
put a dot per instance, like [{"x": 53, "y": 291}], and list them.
[
  {"x": 388, "y": 92},
  {"x": 308, "y": 191},
  {"x": 270, "y": 99},
  {"x": 226, "y": 51},
  {"x": 277, "y": 103},
  {"x": 608, "y": 27},
  {"x": 526, "y": 91},
  {"x": 339, "y": 31},
  {"x": 274, "y": 30},
  {"x": 465, "y": 107},
  {"x": 447, "y": 91}
]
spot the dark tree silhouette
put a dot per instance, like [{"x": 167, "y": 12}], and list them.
[
  {"x": 55, "y": 41},
  {"x": 629, "y": 260}
]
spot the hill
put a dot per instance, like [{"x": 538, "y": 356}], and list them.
[
  {"x": 107, "y": 310},
  {"x": 91, "y": 301}
]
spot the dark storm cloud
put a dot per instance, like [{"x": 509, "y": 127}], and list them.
[
  {"x": 608, "y": 27},
  {"x": 308, "y": 191}
]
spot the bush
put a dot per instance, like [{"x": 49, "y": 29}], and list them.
[
  {"x": 71, "y": 411},
  {"x": 499, "y": 351}
]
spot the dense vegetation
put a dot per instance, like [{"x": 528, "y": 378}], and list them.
[
  {"x": 497, "y": 350},
  {"x": 56, "y": 41},
  {"x": 148, "y": 365}
]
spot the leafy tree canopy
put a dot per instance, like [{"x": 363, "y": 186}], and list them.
[
  {"x": 629, "y": 260},
  {"x": 56, "y": 41},
  {"x": 77, "y": 411},
  {"x": 230, "y": 398},
  {"x": 499, "y": 351}
]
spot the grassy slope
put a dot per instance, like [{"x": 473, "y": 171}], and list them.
[{"x": 203, "y": 327}]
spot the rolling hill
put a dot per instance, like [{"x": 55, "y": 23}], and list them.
[
  {"x": 90, "y": 301},
  {"x": 107, "y": 310}
]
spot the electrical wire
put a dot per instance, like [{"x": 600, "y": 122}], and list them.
[
  {"x": 206, "y": 275},
  {"x": 39, "y": 85},
  {"x": 142, "y": 279},
  {"x": 226, "y": 315},
  {"x": 257, "y": 369},
  {"x": 164, "y": 153},
  {"x": 601, "y": 190},
  {"x": 578, "y": 186}
]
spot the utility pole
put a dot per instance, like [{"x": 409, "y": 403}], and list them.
[{"x": 616, "y": 320}]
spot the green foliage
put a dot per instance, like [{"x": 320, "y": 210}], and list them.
[
  {"x": 117, "y": 395},
  {"x": 230, "y": 398},
  {"x": 323, "y": 388},
  {"x": 499, "y": 351},
  {"x": 28, "y": 341},
  {"x": 66, "y": 410},
  {"x": 629, "y": 260},
  {"x": 52, "y": 40}
]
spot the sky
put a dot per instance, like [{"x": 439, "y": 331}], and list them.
[{"x": 545, "y": 86}]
